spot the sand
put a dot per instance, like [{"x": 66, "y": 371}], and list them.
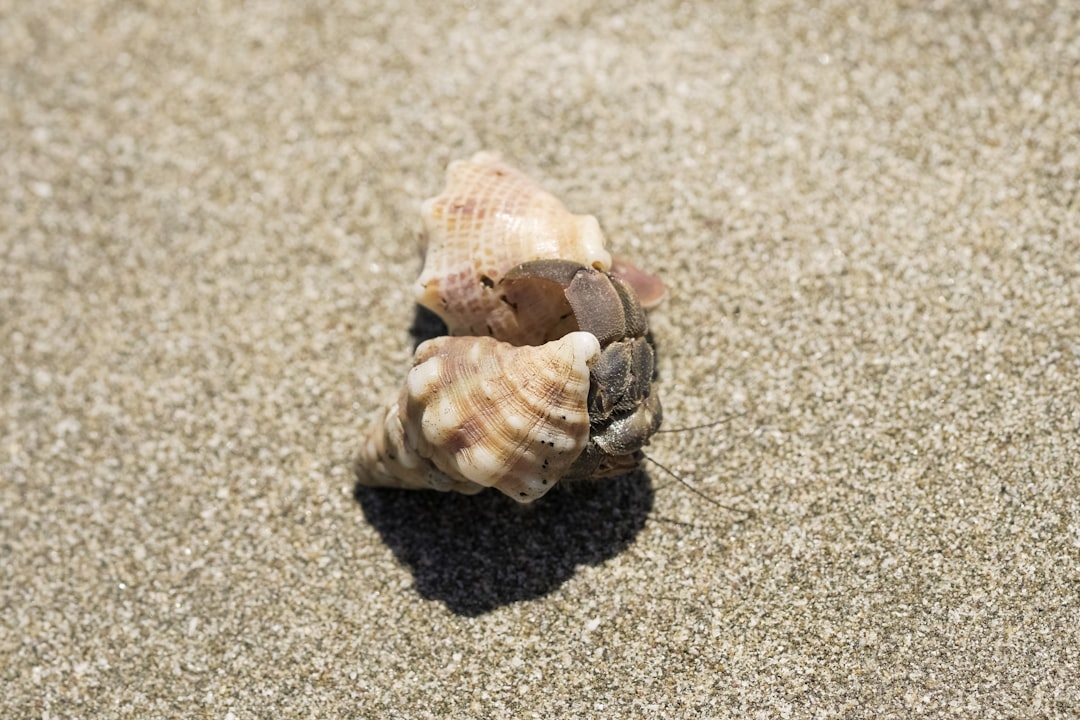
[{"x": 867, "y": 219}]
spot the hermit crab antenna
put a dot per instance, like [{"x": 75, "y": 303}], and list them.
[
  {"x": 700, "y": 494},
  {"x": 714, "y": 423}
]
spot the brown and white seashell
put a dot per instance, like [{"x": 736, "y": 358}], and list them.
[
  {"x": 476, "y": 413},
  {"x": 490, "y": 218},
  {"x": 549, "y": 374}
]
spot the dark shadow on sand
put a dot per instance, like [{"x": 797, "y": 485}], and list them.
[
  {"x": 480, "y": 552},
  {"x": 425, "y": 326}
]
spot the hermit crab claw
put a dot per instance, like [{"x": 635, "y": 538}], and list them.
[{"x": 601, "y": 303}]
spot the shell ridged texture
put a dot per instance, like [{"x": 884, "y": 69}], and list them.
[
  {"x": 476, "y": 412},
  {"x": 490, "y": 218}
]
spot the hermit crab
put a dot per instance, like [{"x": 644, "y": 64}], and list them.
[{"x": 547, "y": 372}]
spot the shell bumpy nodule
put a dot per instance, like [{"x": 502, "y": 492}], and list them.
[{"x": 505, "y": 401}]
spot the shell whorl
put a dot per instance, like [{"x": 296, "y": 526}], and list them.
[
  {"x": 476, "y": 412},
  {"x": 490, "y": 218}
]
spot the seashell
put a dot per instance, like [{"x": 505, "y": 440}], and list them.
[
  {"x": 490, "y": 218},
  {"x": 548, "y": 375},
  {"x": 476, "y": 413}
]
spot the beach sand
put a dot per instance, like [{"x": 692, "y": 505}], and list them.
[{"x": 868, "y": 224}]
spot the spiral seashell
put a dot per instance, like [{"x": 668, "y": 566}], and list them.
[
  {"x": 490, "y": 218},
  {"x": 476, "y": 413},
  {"x": 547, "y": 373}
]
